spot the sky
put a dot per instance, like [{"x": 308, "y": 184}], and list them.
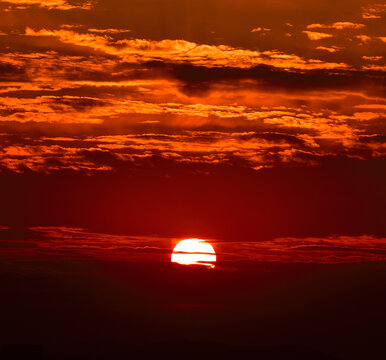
[{"x": 126, "y": 126}]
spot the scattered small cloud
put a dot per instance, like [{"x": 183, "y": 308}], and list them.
[
  {"x": 109, "y": 31},
  {"x": 366, "y": 38},
  {"x": 337, "y": 25},
  {"x": 372, "y": 58},
  {"x": 48, "y": 4},
  {"x": 70, "y": 26},
  {"x": 330, "y": 49},
  {"x": 363, "y": 38},
  {"x": 260, "y": 29},
  {"x": 373, "y": 11},
  {"x": 374, "y": 67},
  {"x": 313, "y": 35},
  {"x": 367, "y": 115}
]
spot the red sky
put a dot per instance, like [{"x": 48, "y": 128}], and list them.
[{"x": 258, "y": 125}]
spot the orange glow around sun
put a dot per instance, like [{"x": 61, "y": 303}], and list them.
[{"x": 194, "y": 252}]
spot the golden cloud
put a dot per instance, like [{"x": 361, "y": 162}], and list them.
[
  {"x": 50, "y": 4},
  {"x": 313, "y": 35},
  {"x": 337, "y": 25},
  {"x": 184, "y": 51}
]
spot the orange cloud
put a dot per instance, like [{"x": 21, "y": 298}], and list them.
[
  {"x": 337, "y": 26},
  {"x": 313, "y": 35},
  {"x": 366, "y": 38},
  {"x": 50, "y": 4},
  {"x": 372, "y": 58},
  {"x": 260, "y": 29},
  {"x": 331, "y": 49},
  {"x": 375, "y": 67},
  {"x": 364, "y": 116},
  {"x": 109, "y": 31},
  {"x": 184, "y": 51},
  {"x": 374, "y": 11}
]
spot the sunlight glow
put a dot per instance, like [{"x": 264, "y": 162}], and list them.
[{"x": 194, "y": 252}]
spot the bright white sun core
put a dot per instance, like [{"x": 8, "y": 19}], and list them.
[{"x": 194, "y": 252}]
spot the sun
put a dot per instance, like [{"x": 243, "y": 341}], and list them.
[{"x": 194, "y": 252}]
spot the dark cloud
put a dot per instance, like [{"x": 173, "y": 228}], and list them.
[
  {"x": 275, "y": 137},
  {"x": 198, "y": 79},
  {"x": 10, "y": 72},
  {"x": 373, "y": 139},
  {"x": 77, "y": 103},
  {"x": 102, "y": 157}
]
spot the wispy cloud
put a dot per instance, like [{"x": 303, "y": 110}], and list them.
[
  {"x": 50, "y": 4},
  {"x": 330, "y": 49},
  {"x": 109, "y": 31},
  {"x": 313, "y": 35},
  {"x": 82, "y": 244},
  {"x": 372, "y": 58},
  {"x": 334, "y": 249},
  {"x": 260, "y": 29},
  {"x": 337, "y": 25},
  {"x": 185, "y": 51}
]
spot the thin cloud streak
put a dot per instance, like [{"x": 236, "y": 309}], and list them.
[
  {"x": 78, "y": 243},
  {"x": 48, "y": 4}
]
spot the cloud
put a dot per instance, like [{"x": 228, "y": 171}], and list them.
[
  {"x": 363, "y": 116},
  {"x": 372, "y": 58},
  {"x": 12, "y": 72},
  {"x": 50, "y": 4},
  {"x": 109, "y": 31},
  {"x": 373, "y": 11},
  {"x": 198, "y": 78},
  {"x": 65, "y": 109},
  {"x": 183, "y": 51},
  {"x": 331, "y": 49},
  {"x": 292, "y": 135},
  {"x": 363, "y": 38},
  {"x": 80, "y": 243},
  {"x": 313, "y": 35},
  {"x": 334, "y": 249},
  {"x": 282, "y": 109},
  {"x": 366, "y": 38},
  {"x": 83, "y": 244},
  {"x": 337, "y": 26},
  {"x": 260, "y": 29},
  {"x": 98, "y": 96}
]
